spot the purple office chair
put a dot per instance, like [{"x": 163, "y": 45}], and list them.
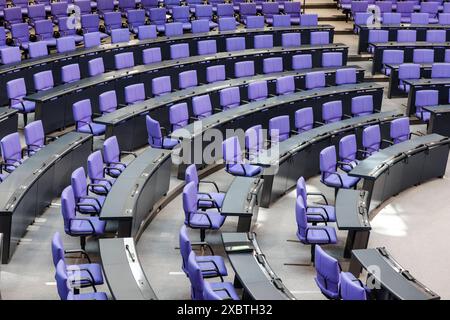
[
  {"x": 88, "y": 274},
  {"x": 90, "y": 24},
  {"x": 377, "y": 36},
  {"x": 2, "y": 37},
  {"x": 327, "y": 273},
  {"x": 348, "y": 152},
  {"x": 279, "y": 129},
  {"x": 345, "y": 76},
  {"x": 310, "y": 234},
  {"x": 230, "y": 98},
  {"x": 148, "y": 4},
  {"x": 91, "y": 39},
  {"x": 20, "y": 35},
  {"x": 371, "y": 140},
  {"x": 206, "y": 200},
  {"x": 134, "y": 93},
  {"x": 178, "y": 116},
  {"x": 203, "y": 290},
  {"x": 309, "y": 20},
  {"x": 37, "y": 49},
  {"x": 155, "y": 137},
  {"x": 406, "y": 35},
  {"x": 407, "y": 71},
  {"x": 332, "y": 59},
  {"x": 302, "y": 61},
  {"x": 112, "y": 157},
  {"x": 70, "y": 73},
  {"x": 201, "y": 106},
  {"x": 126, "y": 5},
  {"x": 315, "y": 79},
  {"x": 196, "y": 219},
  {"x": 246, "y": 9},
  {"x": 254, "y": 142},
  {"x": 291, "y": 39},
  {"x": 34, "y": 137},
  {"x": 446, "y": 7},
  {"x": 206, "y": 47},
  {"x": 135, "y": 19},
  {"x": 205, "y": 12},
  {"x": 447, "y": 55},
  {"x": 272, "y": 65},
  {"x": 151, "y": 55},
  {"x": 147, "y": 32},
  {"x": 84, "y": 5},
  {"x": 269, "y": 9},
  {"x": 257, "y": 90},
  {"x": 293, "y": 9},
  {"x": 285, "y": 85},
  {"x": 425, "y": 98},
  {"x": 65, "y": 44},
  {"x": 399, "y": 130},
  {"x": 16, "y": 91},
  {"x": 179, "y": 51},
  {"x": 235, "y": 44},
  {"x": 113, "y": 21},
  {"x": 82, "y": 114},
  {"x": 244, "y": 69},
  {"x": 187, "y": 79},
  {"x": 304, "y": 119},
  {"x": 161, "y": 86},
  {"x": 107, "y": 102},
  {"x": 419, "y": 18},
  {"x": 84, "y": 203},
  {"x": 65, "y": 29},
  {"x": 329, "y": 174},
  {"x": 362, "y": 18},
  {"x": 215, "y": 73},
  {"x": 436, "y": 36},
  {"x": 36, "y": 13},
  {"x": 263, "y": 41},
  {"x": 444, "y": 18},
  {"x": 43, "y": 80},
  {"x": 362, "y": 105},
  {"x": 332, "y": 111},
  {"x": 12, "y": 16},
  {"x": 120, "y": 35},
  {"x": 391, "y": 57},
  {"x": 96, "y": 67},
  {"x": 200, "y": 26},
  {"x": 99, "y": 184},
  {"x": 66, "y": 284},
  {"x": 351, "y": 288},
  {"x": 320, "y": 37},
  {"x": 430, "y": 7},
  {"x": 405, "y": 8},
  {"x": 158, "y": 18},
  {"x": 227, "y": 24},
  {"x": 211, "y": 266},
  {"x": 315, "y": 213},
  {"x": 182, "y": 14},
  {"x": 12, "y": 153},
  {"x": 124, "y": 60},
  {"x": 282, "y": 20},
  {"x": 173, "y": 29},
  {"x": 440, "y": 70},
  {"x": 423, "y": 56},
  {"x": 75, "y": 226},
  {"x": 225, "y": 10},
  {"x": 254, "y": 22},
  {"x": 232, "y": 156}
]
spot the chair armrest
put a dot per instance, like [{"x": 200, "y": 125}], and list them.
[
  {"x": 210, "y": 182},
  {"x": 204, "y": 243},
  {"x": 320, "y": 194},
  {"x": 83, "y": 252}
]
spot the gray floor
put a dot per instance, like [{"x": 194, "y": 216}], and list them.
[{"x": 411, "y": 225}]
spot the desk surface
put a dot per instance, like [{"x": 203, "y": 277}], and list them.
[
  {"x": 192, "y": 130},
  {"x": 300, "y": 141},
  {"x": 123, "y": 272},
  {"x": 136, "y": 109},
  {"x": 392, "y": 276},
  {"x": 401, "y": 26},
  {"x": 396, "y": 66},
  {"x": 253, "y": 271},
  {"x": 424, "y": 82},
  {"x": 351, "y": 210},
  {"x": 6, "y": 112},
  {"x": 238, "y": 195},
  {"x": 16, "y": 183},
  {"x": 113, "y": 75},
  {"x": 133, "y": 43},
  {"x": 443, "y": 108},
  {"x": 119, "y": 203},
  {"x": 376, "y": 163},
  {"x": 395, "y": 44}
]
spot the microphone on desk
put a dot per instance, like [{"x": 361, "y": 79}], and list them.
[{"x": 130, "y": 253}]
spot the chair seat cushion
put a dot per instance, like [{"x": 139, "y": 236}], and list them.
[
  {"x": 348, "y": 167},
  {"x": 313, "y": 213},
  {"x": 83, "y": 226},
  {"x": 51, "y": 42},
  {"x": 94, "y": 269},
  {"x": 169, "y": 143},
  {"x": 217, "y": 196},
  {"x": 2, "y": 177},
  {"x": 238, "y": 170},
  {"x": 88, "y": 205},
  {"x": 187, "y": 26},
  {"x": 208, "y": 268},
  {"x": 88, "y": 296},
  {"x": 228, "y": 286},
  {"x": 97, "y": 129},
  {"x": 116, "y": 169},
  {"x": 404, "y": 87},
  {"x": 347, "y": 181},
  {"x": 328, "y": 293},
  {"x": 319, "y": 235},
  {"x": 101, "y": 190},
  {"x": 200, "y": 220}
]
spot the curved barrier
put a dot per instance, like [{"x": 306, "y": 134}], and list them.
[{"x": 8, "y": 121}]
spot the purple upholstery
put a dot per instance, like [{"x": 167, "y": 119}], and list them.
[
  {"x": 302, "y": 61},
  {"x": 96, "y": 67},
  {"x": 329, "y": 174},
  {"x": 348, "y": 153},
  {"x": 399, "y": 130},
  {"x": 345, "y": 76},
  {"x": 113, "y": 20},
  {"x": 207, "y": 47},
  {"x": 332, "y": 59},
  {"x": 246, "y": 9},
  {"x": 235, "y": 44},
  {"x": 282, "y": 20},
  {"x": 291, "y": 39},
  {"x": 377, "y": 36},
  {"x": 135, "y": 19},
  {"x": 20, "y": 35},
  {"x": 423, "y": 56},
  {"x": 120, "y": 35},
  {"x": 320, "y": 37},
  {"x": 254, "y": 141},
  {"x": 11, "y": 151},
  {"x": 35, "y": 13},
  {"x": 84, "y": 203},
  {"x": 65, "y": 44},
  {"x": 43, "y": 80},
  {"x": 124, "y": 60},
  {"x": 371, "y": 139},
  {"x": 215, "y": 73},
  {"x": 279, "y": 129},
  {"x": 285, "y": 85},
  {"x": 225, "y": 10},
  {"x": 182, "y": 14},
  {"x": 304, "y": 119},
  {"x": 161, "y": 86},
  {"x": 227, "y": 24},
  {"x": 58, "y": 10},
  {"x": 419, "y": 18},
  {"x": 200, "y": 26},
  {"x": 16, "y": 90},
  {"x": 34, "y": 137},
  {"x": 204, "y": 12},
  {"x": 407, "y": 71},
  {"x": 269, "y": 9},
  {"x": 430, "y": 7},
  {"x": 158, "y": 18},
  {"x": 315, "y": 79},
  {"x": 406, "y": 35},
  {"x": 112, "y": 157},
  {"x": 254, "y": 22},
  {"x": 155, "y": 137},
  {"x": 201, "y": 106},
  {"x": 66, "y": 29},
  {"x": 134, "y": 93},
  {"x": 444, "y": 18},
  {"x": 257, "y": 90},
  {"x": 205, "y": 199},
  {"x": 187, "y": 79},
  {"x": 332, "y": 111},
  {"x": 179, "y": 51},
  {"x": 99, "y": 183},
  {"x": 230, "y": 98},
  {"x": 272, "y": 65},
  {"x": 315, "y": 212},
  {"x": 440, "y": 70},
  {"x": 391, "y": 57},
  {"x": 91, "y": 39},
  {"x": 232, "y": 156},
  {"x": 351, "y": 288},
  {"x": 37, "y": 49},
  {"x": 178, "y": 115},
  {"x": 107, "y": 101},
  {"x": 90, "y": 24},
  {"x": 327, "y": 273},
  {"x": 151, "y": 55},
  {"x": 126, "y": 5},
  {"x": 12, "y": 15},
  {"x": 84, "y": 5},
  {"x": 244, "y": 69},
  {"x": 436, "y": 36},
  {"x": 426, "y": 98},
  {"x": 392, "y": 18},
  {"x": 362, "y": 105},
  {"x": 173, "y": 29},
  {"x": 405, "y": 8},
  {"x": 293, "y": 9},
  {"x": 263, "y": 41},
  {"x": 447, "y": 55},
  {"x": 309, "y": 20},
  {"x": 147, "y": 32},
  {"x": 82, "y": 114}
]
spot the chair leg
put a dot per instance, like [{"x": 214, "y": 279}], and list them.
[
  {"x": 335, "y": 193},
  {"x": 25, "y": 119},
  {"x": 202, "y": 235},
  {"x": 83, "y": 242},
  {"x": 313, "y": 253}
]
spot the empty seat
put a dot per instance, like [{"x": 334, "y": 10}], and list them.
[
  {"x": 304, "y": 119},
  {"x": 254, "y": 141},
  {"x": 16, "y": 90},
  {"x": 291, "y": 39},
  {"x": 437, "y": 36},
  {"x": 120, "y": 35},
  {"x": 327, "y": 273},
  {"x": 407, "y": 71},
  {"x": 201, "y": 106},
  {"x": 351, "y": 288},
  {"x": 406, "y": 35},
  {"x": 205, "y": 12},
  {"x": 246, "y": 9},
  {"x": 96, "y": 67},
  {"x": 43, "y": 80},
  {"x": 178, "y": 116},
  {"x": 84, "y": 203},
  {"x": 399, "y": 130},
  {"x": 112, "y": 21},
  {"x": 281, "y": 20},
  {"x": 200, "y": 26},
  {"x": 371, "y": 140},
  {"x": 423, "y": 56},
  {"x": 329, "y": 174},
  {"x": 100, "y": 184},
  {"x": 82, "y": 114},
  {"x": 158, "y": 18},
  {"x": 178, "y": 51},
  {"x": 348, "y": 153},
  {"x": 234, "y": 162},
  {"x": 182, "y": 14},
  {"x": 257, "y": 90},
  {"x": 425, "y": 98},
  {"x": 11, "y": 150},
  {"x": 34, "y": 137},
  {"x": 285, "y": 85},
  {"x": 65, "y": 44},
  {"x": 112, "y": 157},
  {"x": 187, "y": 79},
  {"x": 37, "y": 49},
  {"x": 124, "y": 60},
  {"x": 332, "y": 111},
  {"x": 345, "y": 76},
  {"x": 362, "y": 105},
  {"x": 227, "y": 24},
  {"x": 269, "y": 9},
  {"x": 207, "y": 47},
  {"x": 20, "y": 35},
  {"x": 155, "y": 137},
  {"x": 173, "y": 29},
  {"x": 293, "y": 9},
  {"x": 391, "y": 57},
  {"x": 302, "y": 61},
  {"x": 135, "y": 19},
  {"x": 419, "y": 18},
  {"x": 90, "y": 24},
  {"x": 309, "y": 19},
  {"x": 315, "y": 79},
  {"x": 161, "y": 86},
  {"x": 391, "y": 18},
  {"x": 271, "y": 65},
  {"x": 332, "y": 59},
  {"x": 147, "y": 32},
  {"x": 279, "y": 129},
  {"x": 215, "y": 73},
  {"x": 151, "y": 55},
  {"x": 91, "y": 39},
  {"x": 377, "y": 36},
  {"x": 230, "y": 98},
  {"x": 134, "y": 93},
  {"x": 440, "y": 70},
  {"x": 107, "y": 101},
  {"x": 254, "y": 22},
  {"x": 35, "y": 13},
  {"x": 244, "y": 69},
  {"x": 263, "y": 41},
  {"x": 235, "y": 44}
]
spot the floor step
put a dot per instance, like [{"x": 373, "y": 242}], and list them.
[
  {"x": 376, "y": 78},
  {"x": 359, "y": 57},
  {"x": 344, "y": 32},
  {"x": 333, "y": 18},
  {"x": 320, "y": 6}
]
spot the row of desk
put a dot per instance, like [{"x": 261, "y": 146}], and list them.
[
  {"x": 31, "y": 187},
  {"x": 394, "y": 80},
  {"x": 26, "y": 69},
  {"x": 442, "y": 85},
  {"x": 128, "y": 123},
  {"x": 54, "y": 106}
]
